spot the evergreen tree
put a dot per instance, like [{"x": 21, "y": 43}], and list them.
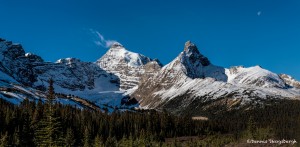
[
  {"x": 69, "y": 139},
  {"x": 49, "y": 128},
  {"x": 4, "y": 140},
  {"x": 16, "y": 137},
  {"x": 87, "y": 138},
  {"x": 37, "y": 114},
  {"x": 251, "y": 130},
  {"x": 98, "y": 141},
  {"x": 111, "y": 142},
  {"x": 26, "y": 135}
]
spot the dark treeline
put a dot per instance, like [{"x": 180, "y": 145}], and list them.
[
  {"x": 48, "y": 124},
  {"x": 278, "y": 119},
  {"x": 32, "y": 124},
  {"x": 28, "y": 125}
]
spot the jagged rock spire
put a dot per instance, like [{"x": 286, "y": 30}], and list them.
[
  {"x": 194, "y": 55},
  {"x": 190, "y": 47}
]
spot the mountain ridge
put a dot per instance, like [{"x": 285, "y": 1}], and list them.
[
  {"x": 190, "y": 80},
  {"x": 177, "y": 89}
]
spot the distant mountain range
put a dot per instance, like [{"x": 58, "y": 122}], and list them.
[{"x": 189, "y": 84}]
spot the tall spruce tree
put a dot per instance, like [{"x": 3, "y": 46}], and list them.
[
  {"x": 98, "y": 142},
  {"x": 251, "y": 128},
  {"x": 87, "y": 138},
  {"x": 4, "y": 140},
  {"x": 69, "y": 139},
  {"x": 49, "y": 128},
  {"x": 26, "y": 134},
  {"x": 16, "y": 137}
]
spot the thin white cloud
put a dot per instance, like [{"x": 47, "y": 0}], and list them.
[
  {"x": 258, "y": 13},
  {"x": 108, "y": 43},
  {"x": 100, "y": 40}
]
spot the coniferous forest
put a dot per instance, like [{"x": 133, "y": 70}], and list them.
[{"x": 48, "y": 124}]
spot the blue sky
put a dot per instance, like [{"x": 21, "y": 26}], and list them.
[{"x": 228, "y": 32}]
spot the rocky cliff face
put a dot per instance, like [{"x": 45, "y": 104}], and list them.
[
  {"x": 15, "y": 63},
  {"x": 69, "y": 74},
  {"x": 74, "y": 75}
]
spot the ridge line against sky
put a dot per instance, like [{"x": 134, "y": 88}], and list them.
[{"x": 248, "y": 32}]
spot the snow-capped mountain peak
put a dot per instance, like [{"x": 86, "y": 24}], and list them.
[
  {"x": 193, "y": 64},
  {"x": 190, "y": 46},
  {"x": 127, "y": 65},
  {"x": 116, "y": 45},
  {"x": 117, "y": 54},
  {"x": 254, "y": 76},
  {"x": 191, "y": 51},
  {"x": 191, "y": 81}
]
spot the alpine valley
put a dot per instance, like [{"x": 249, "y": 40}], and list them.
[{"x": 124, "y": 80}]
